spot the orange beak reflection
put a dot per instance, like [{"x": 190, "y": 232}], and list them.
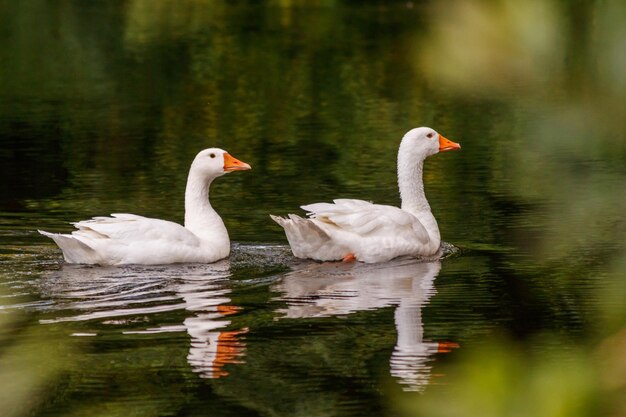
[
  {"x": 447, "y": 145},
  {"x": 234, "y": 164}
]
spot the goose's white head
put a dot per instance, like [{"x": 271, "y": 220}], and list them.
[
  {"x": 422, "y": 142},
  {"x": 215, "y": 162}
]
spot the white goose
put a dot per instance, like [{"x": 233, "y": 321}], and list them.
[
  {"x": 131, "y": 239},
  {"x": 359, "y": 230}
]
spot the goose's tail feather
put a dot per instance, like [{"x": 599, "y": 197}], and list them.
[
  {"x": 307, "y": 239},
  {"x": 74, "y": 250}
]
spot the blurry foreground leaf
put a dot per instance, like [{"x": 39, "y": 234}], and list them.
[
  {"x": 31, "y": 360},
  {"x": 500, "y": 380}
]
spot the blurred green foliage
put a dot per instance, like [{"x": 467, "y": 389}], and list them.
[
  {"x": 576, "y": 50},
  {"x": 32, "y": 361}
]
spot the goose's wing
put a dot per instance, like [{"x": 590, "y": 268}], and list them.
[
  {"x": 130, "y": 228},
  {"x": 129, "y": 239},
  {"x": 367, "y": 219}
]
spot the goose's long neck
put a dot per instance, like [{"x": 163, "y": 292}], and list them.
[
  {"x": 411, "y": 184},
  {"x": 200, "y": 217}
]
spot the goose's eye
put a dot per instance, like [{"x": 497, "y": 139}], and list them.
[
  {"x": 430, "y": 135},
  {"x": 212, "y": 155}
]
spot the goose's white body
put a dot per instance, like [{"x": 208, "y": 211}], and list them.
[
  {"x": 372, "y": 232},
  {"x": 131, "y": 239}
]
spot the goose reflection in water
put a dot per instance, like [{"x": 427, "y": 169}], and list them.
[
  {"x": 125, "y": 296},
  {"x": 333, "y": 289}
]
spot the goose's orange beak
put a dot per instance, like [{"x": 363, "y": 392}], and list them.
[
  {"x": 447, "y": 145},
  {"x": 233, "y": 164},
  {"x": 445, "y": 347}
]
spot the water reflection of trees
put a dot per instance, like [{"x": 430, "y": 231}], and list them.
[{"x": 152, "y": 84}]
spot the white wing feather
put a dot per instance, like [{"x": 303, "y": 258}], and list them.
[
  {"x": 367, "y": 219},
  {"x": 131, "y": 228},
  {"x": 127, "y": 238}
]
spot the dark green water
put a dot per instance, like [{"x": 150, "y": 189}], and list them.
[{"x": 103, "y": 105}]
